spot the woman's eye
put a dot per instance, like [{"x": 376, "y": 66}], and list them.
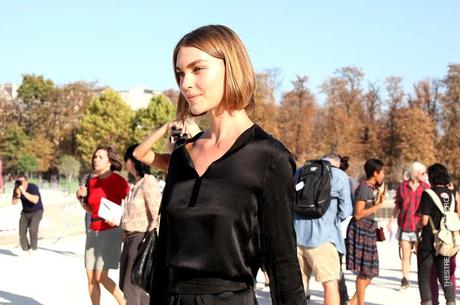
[
  {"x": 197, "y": 69},
  {"x": 180, "y": 74}
]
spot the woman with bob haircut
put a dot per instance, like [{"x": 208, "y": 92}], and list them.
[
  {"x": 103, "y": 240},
  {"x": 228, "y": 200},
  {"x": 362, "y": 255},
  {"x": 439, "y": 179}
]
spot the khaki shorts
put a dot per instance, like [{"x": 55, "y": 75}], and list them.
[{"x": 322, "y": 261}]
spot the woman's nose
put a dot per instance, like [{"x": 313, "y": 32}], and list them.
[{"x": 187, "y": 82}]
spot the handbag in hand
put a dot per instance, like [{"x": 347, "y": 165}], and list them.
[
  {"x": 143, "y": 267},
  {"x": 380, "y": 234}
]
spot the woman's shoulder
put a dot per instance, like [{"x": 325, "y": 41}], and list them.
[
  {"x": 118, "y": 178},
  {"x": 364, "y": 188},
  {"x": 269, "y": 144},
  {"x": 271, "y": 148},
  {"x": 149, "y": 181}
]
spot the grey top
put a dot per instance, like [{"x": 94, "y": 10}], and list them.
[{"x": 367, "y": 193}]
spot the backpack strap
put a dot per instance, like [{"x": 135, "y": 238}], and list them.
[
  {"x": 435, "y": 199},
  {"x": 452, "y": 204},
  {"x": 433, "y": 228}
]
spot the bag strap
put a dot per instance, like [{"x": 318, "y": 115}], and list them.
[
  {"x": 436, "y": 200},
  {"x": 452, "y": 203},
  {"x": 433, "y": 228}
]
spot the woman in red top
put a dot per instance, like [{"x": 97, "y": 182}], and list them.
[{"x": 103, "y": 241}]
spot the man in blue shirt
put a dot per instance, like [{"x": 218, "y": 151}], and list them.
[
  {"x": 32, "y": 211},
  {"x": 319, "y": 241}
]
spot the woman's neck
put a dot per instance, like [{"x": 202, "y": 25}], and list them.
[
  {"x": 371, "y": 181},
  {"x": 104, "y": 174},
  {"x": 227, "y": 124},
  {"x": 137, "y": 178}
]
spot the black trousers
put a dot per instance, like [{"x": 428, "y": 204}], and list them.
[
  {"x": 425, "y": 260},
  {"x": 242, "y": 297},
  {"x": 29, "y": 221},
  {"x": 134, "y": 294}
]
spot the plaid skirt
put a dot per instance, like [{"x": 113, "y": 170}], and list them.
[{"x": 362, "y": 256}]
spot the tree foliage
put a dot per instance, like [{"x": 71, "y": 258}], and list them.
[
  {"x": 27, "y": 164},
  {"x": 297, "y": 121},
  {"x": 158, "y": 112},
  {"x": 351, "y": 117},
  {"x": 106, "y": 121},
  {"x": 265, "y": 110},
  {"x": 69, "y": 166}
]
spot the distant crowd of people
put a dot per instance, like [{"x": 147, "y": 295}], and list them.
[{"x": 230, "y": 204}]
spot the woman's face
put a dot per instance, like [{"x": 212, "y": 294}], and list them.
[
  {"x": 201, "y": 79},
  {"x": 379, "y": 176},
  {"x": 101, "y": 161},
  {"x": 130, "y": 167}
]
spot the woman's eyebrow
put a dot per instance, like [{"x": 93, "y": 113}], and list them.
[{"x": 193, "y": 63}]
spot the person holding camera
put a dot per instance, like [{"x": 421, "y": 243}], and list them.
[{"x": 32, "y": 212}]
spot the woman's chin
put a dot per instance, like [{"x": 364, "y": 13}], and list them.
[{"x": 198, "y": 112}]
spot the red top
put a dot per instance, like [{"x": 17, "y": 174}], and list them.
[
  {"x": 408, "y": 201},
  {"x": 114, "y": 187}
]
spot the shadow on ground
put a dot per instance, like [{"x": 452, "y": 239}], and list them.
[
  {"x": 7, "y": 252},
  {"x": 7, "y": 298}
]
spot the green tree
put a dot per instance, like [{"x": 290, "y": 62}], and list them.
[
  {"x": 69, "y": 167},
  {"x": 159, "y": 111},
  {"x": 107, "y": 120},
  {"x": 27, "y": 164},
  {"x": 13, "y": 143},
  {"x": 35, "y": 94}
]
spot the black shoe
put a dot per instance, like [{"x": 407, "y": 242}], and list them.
[{"x": 404, "y": 283}]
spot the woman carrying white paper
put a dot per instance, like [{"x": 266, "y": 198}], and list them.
[{"x": 103, "y": 241}]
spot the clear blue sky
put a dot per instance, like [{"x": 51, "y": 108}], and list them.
[{"x": 129, "y": 43}]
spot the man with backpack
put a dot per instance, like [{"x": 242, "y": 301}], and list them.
[
  {"x": 323, "y": 200},
  {"x": 440, "y": 237}
]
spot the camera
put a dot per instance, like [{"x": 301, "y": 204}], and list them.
[
  {"x": 17, "y": 183},
  {"x": 178, "y": 138}
]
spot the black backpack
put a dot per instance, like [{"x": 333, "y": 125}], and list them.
[{"x": 313, "y": 189}]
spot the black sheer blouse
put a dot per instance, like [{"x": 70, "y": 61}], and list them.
[{"x": 234, "y": 217}]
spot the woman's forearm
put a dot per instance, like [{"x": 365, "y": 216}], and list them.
[{"x": 143, "y": 151}]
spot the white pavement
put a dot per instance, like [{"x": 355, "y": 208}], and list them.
[{"x": 54, "y": 275}]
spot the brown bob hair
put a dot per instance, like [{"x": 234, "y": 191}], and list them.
[
  {"x": 221, "y": 42},
  {"x": 115, "y": 164}
]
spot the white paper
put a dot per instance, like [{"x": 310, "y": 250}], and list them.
[{"x": 109, "y": 210}]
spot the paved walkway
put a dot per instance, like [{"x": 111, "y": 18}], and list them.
[{"x": 54, "y": 275}]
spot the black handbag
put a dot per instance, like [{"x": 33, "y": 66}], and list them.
[{"x": 143, "y": 267}]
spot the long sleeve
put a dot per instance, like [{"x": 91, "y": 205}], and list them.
[
  {"x": 344, "y": 200},
  {"x": 277, "y": 233},
  {"x": 152, "y": 197}
]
